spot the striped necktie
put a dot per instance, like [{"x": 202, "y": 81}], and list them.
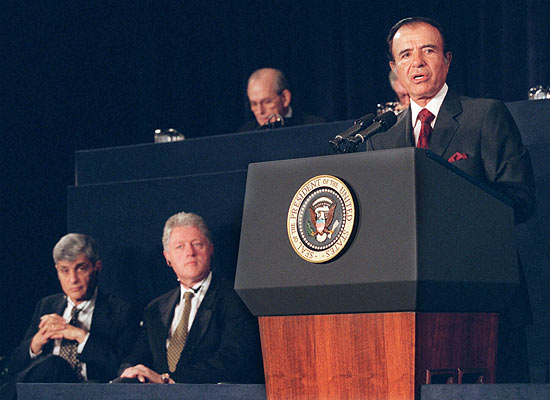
[
  {"x": 68, "y": 348},
  {"x": 177, "y": 341},
  {"x": 426, "y": 118}
]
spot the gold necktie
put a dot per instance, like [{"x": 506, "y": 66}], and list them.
[{"x": 180, "y": 335}]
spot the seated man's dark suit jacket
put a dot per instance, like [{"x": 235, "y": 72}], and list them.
[
  {"x": 222, "y": 345},
  {"x": 115, "y": 325},
  {"x": 485, "y": 132},
  {"x": 298, "y": 118}
]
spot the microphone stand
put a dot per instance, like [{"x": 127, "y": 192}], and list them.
[{"x": 341, "y": 142}]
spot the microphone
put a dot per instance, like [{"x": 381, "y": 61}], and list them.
[
  {"x": 357, "y": 127},
  {"x": 274, "y": 121},
  {"x": 380, "y": 124}
]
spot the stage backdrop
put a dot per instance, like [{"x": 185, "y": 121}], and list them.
[{"x": 85, "y": 75}]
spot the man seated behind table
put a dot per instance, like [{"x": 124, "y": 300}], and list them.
[
  {"x": 81, "y": 334},
  {"x": 269, "y": 96},
  {"x": 200, "y": 332},
  {"x": 479, "y": 136},
  {"x": 401, "y": 97},
  {"x": 400, "y": 92}
]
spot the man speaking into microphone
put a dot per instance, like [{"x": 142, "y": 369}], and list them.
[{"x": 479, "y": 136}]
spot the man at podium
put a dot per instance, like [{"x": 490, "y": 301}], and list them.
[{"x": 479, "y": 136}]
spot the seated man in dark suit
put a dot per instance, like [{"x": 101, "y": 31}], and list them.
[
  {"x": 200, "y": 332},
  {"x": 479, "y": 136},
  {"x": 269, "y": 97},
  {"x": 81, "y": 334}
]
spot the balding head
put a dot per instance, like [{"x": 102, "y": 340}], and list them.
[
  {"x": 268, "y": 94},
  {"x": 272, "y": 75}
]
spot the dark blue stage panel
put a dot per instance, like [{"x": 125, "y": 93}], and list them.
[
  {"x": 125, "y": 391},
  {"x": 533, "y": 237},
  {"x": 68, "y": 391},
  {"x": 127, "y": 219},
  {"x": 485, "y": 392},
  {"x": 204, "y": 155}
]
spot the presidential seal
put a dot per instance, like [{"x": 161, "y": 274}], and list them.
[{"x": 321, "y": 218}]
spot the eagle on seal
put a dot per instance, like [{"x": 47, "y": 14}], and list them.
[{"x": 321, "y": 218}]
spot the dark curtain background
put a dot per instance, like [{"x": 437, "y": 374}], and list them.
[{"x": 82, "y": 75}]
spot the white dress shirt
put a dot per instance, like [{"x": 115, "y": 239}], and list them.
[
  {"x": 433, "y": 106},
  {"x": 85, "y": 320},
  {"x": 199, "y": 290}
]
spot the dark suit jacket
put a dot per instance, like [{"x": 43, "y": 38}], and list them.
[
  {"x": 115, "y": 325},
  {"x": 485, "y": 131},
  {"x": 222, "y": 346},
  {"x": 298, "y": 118}
]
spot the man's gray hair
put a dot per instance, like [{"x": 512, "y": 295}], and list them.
[
  {"x": 73, "y": 245},
  {"x": 184, "y": 219},
  {"x": 281, "y": 82}
]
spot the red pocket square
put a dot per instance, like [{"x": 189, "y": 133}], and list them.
[{"x": 458, "y": 156}]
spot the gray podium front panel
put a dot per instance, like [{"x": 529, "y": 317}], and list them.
[{"x": 460, "y": 256}]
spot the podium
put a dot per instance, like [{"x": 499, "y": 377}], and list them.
[{"x": 412, "y": 298}]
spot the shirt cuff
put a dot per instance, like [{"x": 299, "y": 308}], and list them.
[{"x": 33, "y": 356}]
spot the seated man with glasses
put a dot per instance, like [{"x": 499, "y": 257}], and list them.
[{"x": 269, "y": 99}]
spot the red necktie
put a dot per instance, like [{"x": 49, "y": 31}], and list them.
[{"x": 425, "y": 118}]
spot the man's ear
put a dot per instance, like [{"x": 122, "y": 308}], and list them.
[
  {"x": 287, "y": 96},
  {"x": 448, "y": 57},
  {"x": 392, "y": 66},
  {"x": 98, "y": 265},
  {"x": 167, "y": 258}
]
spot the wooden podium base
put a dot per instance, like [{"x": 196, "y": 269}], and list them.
[{"x": 375, "y": 356}]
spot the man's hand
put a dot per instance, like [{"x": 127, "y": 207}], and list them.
[
  {"x": 144, "y": 375},
  {"x": 53, "y": 326}
]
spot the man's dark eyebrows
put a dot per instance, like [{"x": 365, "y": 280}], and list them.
[
  {"x": 404, "y": 51},
  {"x": 429, "y": 46},
  {"x": 82, "y": 264}
]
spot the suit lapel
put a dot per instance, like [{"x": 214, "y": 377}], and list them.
[
  {"x": 406, "y": 140},
  {"x": 167, "y": 310},
  {"x": 59, "y": 305},
  {"x": 446, "y": 124},
  {"x": 101, "y": 316},
  {"x": 159, "y": 322},
  {"x": 398, "y": 136},
  {"x": 204, "y": 315}
]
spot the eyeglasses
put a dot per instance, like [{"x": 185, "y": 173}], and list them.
[{"x": 266, "y": 103}]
